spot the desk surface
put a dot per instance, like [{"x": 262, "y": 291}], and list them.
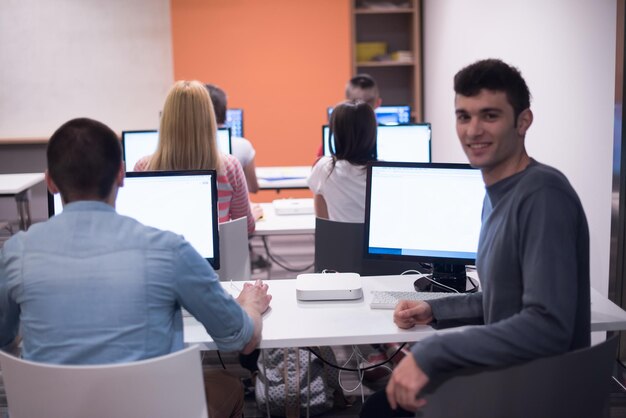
[
  {"x": 12, "y": 184},
  {"x": 275, "y": 178},
  {"x": 291, "y": 323},
  {"x": 273, "y": 224}
]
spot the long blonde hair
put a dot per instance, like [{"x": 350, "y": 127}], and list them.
[{"x": 188, "y": 131}]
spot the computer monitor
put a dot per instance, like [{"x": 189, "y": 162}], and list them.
[
  {"x": 184, "y": 202},
  {"x": 389, "y": 115},
  {"x": 425, "y": 212},
  {"x": 138, "y": 144},
  {"x": 393, "y": 115},
  {"x": 410, "y": 143},
  {"x": 234, "y": 120}
]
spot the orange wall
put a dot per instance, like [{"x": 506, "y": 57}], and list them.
[{"x": 283, "y": 61}]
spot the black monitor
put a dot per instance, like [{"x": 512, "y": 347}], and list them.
[
  {"x": 184, "y": 202},
  {"x": 234, "y": 120},
  {"x": 389, "y": 115},
  {"x": 425, "y": 212},
  {"x": 410, "y": 143},
  {"x": 138, "y": 144}
]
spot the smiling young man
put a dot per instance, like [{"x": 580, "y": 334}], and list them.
[{"x": 533, "y": 253}]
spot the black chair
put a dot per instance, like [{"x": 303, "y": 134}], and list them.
[
  {"x": 575, "y": 384},
  {"x": 339, "y": 246}
]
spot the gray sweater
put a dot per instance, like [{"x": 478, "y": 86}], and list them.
[{"x": 533, "y": 264}]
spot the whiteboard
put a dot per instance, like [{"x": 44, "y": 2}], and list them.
[{"x": 107, "y": 60}]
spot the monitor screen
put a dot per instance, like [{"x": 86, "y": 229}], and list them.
[
  {"x": 427, "y": 212},
  {"x": 389, "y": 115},
  {"x": 184, "y": 202},
  {"x": 224, "y": 142},
  {"x": 234, "y": 120},
  {"x": 410, "y": 143},
  {"x": 138, "y": 144}
]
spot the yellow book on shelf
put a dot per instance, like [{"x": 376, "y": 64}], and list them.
[{"x": 366, "y": 51}]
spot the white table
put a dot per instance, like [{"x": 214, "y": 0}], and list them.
[
  {"x": 277, "y": 178},
  {"x": 291, "y": 323},
  {"x": 273, "y": 224},
  {"x": 606, "y": 315},
  {"x": 18, "y": 187}
]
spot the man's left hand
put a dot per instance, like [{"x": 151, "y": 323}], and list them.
[{"x": 406, "y": 382}]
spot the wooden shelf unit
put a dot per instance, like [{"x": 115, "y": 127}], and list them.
[{"x": 399, "y": 27}]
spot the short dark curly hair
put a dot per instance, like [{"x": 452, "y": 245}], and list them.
[{"x": 495, "y": 75}]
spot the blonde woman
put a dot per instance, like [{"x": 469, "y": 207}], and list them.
[{"x": 187, "y": 141}]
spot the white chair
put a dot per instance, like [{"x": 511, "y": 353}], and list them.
[
  {"x": 166, "y": 386},
  {"x": 234, "y": 251}
]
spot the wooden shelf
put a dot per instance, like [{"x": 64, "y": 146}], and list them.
[
  {"x": 398, "y": 27},
  {"x": 385, "y": 64},
  {"x": 383, "y": 10}
]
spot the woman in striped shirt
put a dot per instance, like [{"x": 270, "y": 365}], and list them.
[{"x": 187, "y": 141}]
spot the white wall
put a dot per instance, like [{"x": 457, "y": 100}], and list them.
[
  {"x": 106, "y": 59},
  {"x": 566, "y": 52}
]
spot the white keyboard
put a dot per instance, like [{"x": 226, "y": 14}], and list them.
[{"x": 384, "y": 299}]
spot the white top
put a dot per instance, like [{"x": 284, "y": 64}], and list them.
[
  {"x": 343, "y": 189},
  {"x": 243, "y": 150}
]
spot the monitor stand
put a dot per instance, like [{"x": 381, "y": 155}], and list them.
[{"x": 451, "y": 275}]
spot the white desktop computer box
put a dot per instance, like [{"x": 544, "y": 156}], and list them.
[
  {"x": 293, "y": 206},
  {"x": 328, "y": 286}
]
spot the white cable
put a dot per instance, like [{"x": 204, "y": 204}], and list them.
[
  {"x": 234, "y": 286},
  {"x": 358, "y": 356},
  {"x": 430, "y": 279}
]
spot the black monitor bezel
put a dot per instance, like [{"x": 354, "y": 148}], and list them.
[
  {"x": 215, "y": 261},
  {"x": 405, "y": 257}
]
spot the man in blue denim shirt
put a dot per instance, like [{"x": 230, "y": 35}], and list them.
[{"x": 90, "y": 286}]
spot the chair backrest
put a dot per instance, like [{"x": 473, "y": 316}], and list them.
[
  {"x": 234, "y": 250},
  {"x": 575, "y": 384},
  {"x": 338, "y": 246},
  {"x": 166, "y": 386}
]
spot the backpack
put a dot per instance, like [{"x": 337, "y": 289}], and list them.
[{"x": 287, "y": 390}]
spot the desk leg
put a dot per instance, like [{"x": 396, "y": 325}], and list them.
[
  {"x": 23, "y": 209},
  {"x": 267, "y": 383}
]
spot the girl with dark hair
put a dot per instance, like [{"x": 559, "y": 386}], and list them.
[{"x": 338, "y": 181}]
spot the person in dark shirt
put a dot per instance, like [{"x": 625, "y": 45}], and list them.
[{"x": 533, "y": 252}]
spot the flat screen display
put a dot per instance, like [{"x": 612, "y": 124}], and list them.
[
  {"x": 138, "y": 144},
  {"x": 183, "y": 202},
  {"x": 234, "y": 120},
  {"x": 410, "y": 143},
  {"x": 426, "y": 212},
  {"x": 389, "y": 115}
]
